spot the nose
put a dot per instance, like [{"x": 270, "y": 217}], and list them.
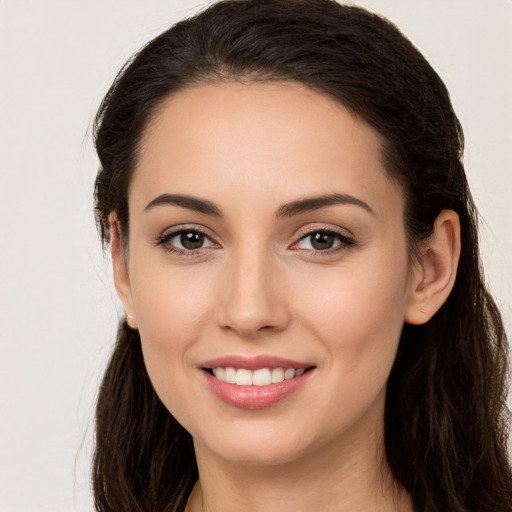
[{"x": 252, "y": 299}]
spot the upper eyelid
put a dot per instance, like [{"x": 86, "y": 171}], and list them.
[
  {"x": 175, "y": 230},
  {"x": 170, "y": 233},
  {"x": 333, "y": 230}
]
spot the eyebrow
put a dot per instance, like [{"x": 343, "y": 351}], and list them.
[
  {"x": 189, "y": 202},
  {"x": 307, "y": 204},
  {"x": 315, "y": 203}
]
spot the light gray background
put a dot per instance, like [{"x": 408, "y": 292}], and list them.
[{"x": 57, "y": 308}]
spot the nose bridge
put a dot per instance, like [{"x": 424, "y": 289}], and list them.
[{"x": 252, "y": 300}]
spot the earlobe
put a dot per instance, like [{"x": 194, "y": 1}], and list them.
[
  {"x": 120, "y": 269},
  {"x": 434, "y": 273}
]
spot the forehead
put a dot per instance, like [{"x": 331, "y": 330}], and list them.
[{"x": 271, "y": 140}]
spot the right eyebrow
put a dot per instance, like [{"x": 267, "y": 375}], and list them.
[{"x": 184, "y": 201}]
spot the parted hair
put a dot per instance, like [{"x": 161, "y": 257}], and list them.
[{"x": 446, "y": 420}]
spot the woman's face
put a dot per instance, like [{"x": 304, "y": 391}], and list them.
[{"x": 266, "y": 237}]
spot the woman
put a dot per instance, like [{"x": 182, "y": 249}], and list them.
[{"x": 295, "y": 245}]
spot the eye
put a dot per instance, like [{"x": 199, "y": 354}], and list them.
[
  {"x": 185, "y": 240},
  {"x": 323, "y": 241}
]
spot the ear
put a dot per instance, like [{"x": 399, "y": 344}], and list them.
[
  {"x": 120, "y": 268},
  {"x": 434, "y": 273}
]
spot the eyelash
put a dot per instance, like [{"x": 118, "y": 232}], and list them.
[
  {"x": 166, "y": 238},
  {"x": 344, "y": 241}
]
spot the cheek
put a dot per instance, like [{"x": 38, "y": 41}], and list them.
[
  {"x": 170, "y": 301},
  {"x": 172, "y": 309},
  {"x": 357, "y": 318},
  {"x": 358, "y": 312}
]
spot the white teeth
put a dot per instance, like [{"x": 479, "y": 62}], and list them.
[
  {"x": 220, "y": 373},
  {"x": 260, "y": 377},
  {"x": 289, "y": 374},
  {"x": 277, "y": 375},
  {"x": 230, "y": 375},
  {"x": 244, "y": 377}
]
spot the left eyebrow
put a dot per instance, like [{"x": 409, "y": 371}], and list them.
[{"x": 309, "y": 204}]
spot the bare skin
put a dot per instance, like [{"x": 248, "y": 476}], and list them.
[{"x": 276, "y": 270}]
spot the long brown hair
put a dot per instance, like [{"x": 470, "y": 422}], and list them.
[{"x": 446, "y": 421}]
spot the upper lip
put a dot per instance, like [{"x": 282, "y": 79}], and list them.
[{"x": 254, "y": 362}]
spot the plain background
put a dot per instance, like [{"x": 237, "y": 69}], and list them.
[{"x": 58, "y": 313}]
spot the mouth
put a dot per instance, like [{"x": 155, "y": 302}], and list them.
[
  {"x": 255, "y": 382},
  {"x": 256, "y": 377}
]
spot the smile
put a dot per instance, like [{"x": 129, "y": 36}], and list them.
[
  {"x": 258, "y": 377},
  {"x": 255, "y": 382}
]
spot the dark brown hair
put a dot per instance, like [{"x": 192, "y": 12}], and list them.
[{"x": 446, "y": 421}]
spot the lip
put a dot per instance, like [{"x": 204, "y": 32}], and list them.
[
  {"x": 254, "y": 363},
  {"x": 254, "y": 397}
]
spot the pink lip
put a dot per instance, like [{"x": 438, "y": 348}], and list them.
[
  {"x": 254, "y": 397},
  {"x": 253, "y": 363}
]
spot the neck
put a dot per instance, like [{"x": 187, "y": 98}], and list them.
[{"x": 347, "y": 477}]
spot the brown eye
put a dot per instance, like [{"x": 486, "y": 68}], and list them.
[
  {"x": 322, "y": 241},
  {"x": 185, "y": 240},
  {"x": 192, "y": 240}
]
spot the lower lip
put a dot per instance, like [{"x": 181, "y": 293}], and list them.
[{"x": 254, "y": 397}]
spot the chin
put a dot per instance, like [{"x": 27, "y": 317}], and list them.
[
  {"x": 264, "y": 444},
  {"x": 256, "y": 453}
]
